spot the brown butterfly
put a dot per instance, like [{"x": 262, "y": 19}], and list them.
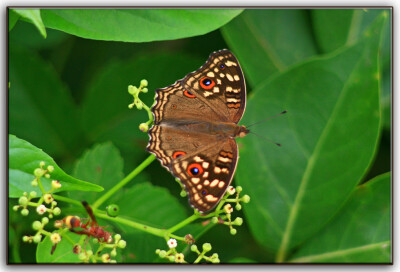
[{"x": 195, "y": 125}]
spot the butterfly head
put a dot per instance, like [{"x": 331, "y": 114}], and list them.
[{"x": 243, "y": 131}]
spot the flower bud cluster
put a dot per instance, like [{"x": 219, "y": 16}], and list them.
[
  {"x": 38, "y": 226},
  {"x": 206, "y": 248},
  {"x": 135, "y": 92},
  {"x": 224, "y": 211},
  {"x": 172, "y": 254}
]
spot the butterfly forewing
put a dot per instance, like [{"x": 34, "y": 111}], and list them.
[{"x": 220, "y": 84}]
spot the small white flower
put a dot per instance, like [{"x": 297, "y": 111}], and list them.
[
  {"x": 41, "y": 209},
  {"x": 48, "y": 198},
  {"x": 172, "y": 243},
  {"x": 55, "y": 184},
  {"x": 105, "y": 258},
  {"x": 228, "y": 208},
  {"x": 179, "y": 258},
  {"x": 55, "y": 238},
  {"x": 231, "y": 190}
]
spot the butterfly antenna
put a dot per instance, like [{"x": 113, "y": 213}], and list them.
[
  {"x": 265, "y": 138},
  {"x": 283, "y": 112}
]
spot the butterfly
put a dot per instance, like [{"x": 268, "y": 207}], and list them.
[{"x": 195, "y": 126}]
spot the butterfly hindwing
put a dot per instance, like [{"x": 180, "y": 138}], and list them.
[{"x": 206, "y": 175}]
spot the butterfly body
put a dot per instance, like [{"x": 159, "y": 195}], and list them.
[
  {"x": 220, "y": 129},
  {"x": 195, "y": 126}
]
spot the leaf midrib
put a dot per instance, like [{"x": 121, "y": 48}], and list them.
[
  {"x": 308, "y": 171},
  {"x": 338, "y": 253}
]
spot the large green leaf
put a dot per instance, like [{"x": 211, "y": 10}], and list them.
[
  {"x": 12, "y": 19},
  {"x": 33, "y": 15},
  {"x": 41, "y": 110},
  {"x": 24, "y": 158},
  {"x": 63, "y": 252},
  {"x": 105, "y": 112},
  {"x": 152, "y": 206},
  {"x": 268, "y": 41},
  {"x": 334, "y": 28},
  {"x": 328, "y": 138},
  {"x": 137, "y": 25},
  {"x": 101, "y": 165},
  {"x": 360, "y": 233}
]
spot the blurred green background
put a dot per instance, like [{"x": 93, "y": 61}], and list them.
[{"x": 68, "y": 94}]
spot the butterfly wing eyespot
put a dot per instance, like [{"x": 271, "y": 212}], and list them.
[
  {"x": 207, "y": 83},
  {"x": 195, "y": 169},
  {"x": 188, "y": 94},
  {"x": 204, "y": 192},
  {"x": 178, "y": 154},
  {"x": 221, "y": 66}
]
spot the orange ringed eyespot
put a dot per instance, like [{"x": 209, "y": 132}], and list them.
[
  {"x": 195, "y": 169},
  {"x": 177, "y": 154},
  {"x": 188, "y": 94},
  {"x": 207, "y": 83}
]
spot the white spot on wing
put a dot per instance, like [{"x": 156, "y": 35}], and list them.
[
  {"x": 214, "y": 183},
  {"x": 230, "y": 63},
  {"x": 211, "y": 198},
  {"x": 195, "y": 180}
]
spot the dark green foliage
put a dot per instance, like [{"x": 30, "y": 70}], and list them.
[{"x": 318, "y": 198}]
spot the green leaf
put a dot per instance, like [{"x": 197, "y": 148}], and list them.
[
  {"x": 268, "y": 41},
  {"x": 334, "y": 28},
  {"x": 100, "y": 165},
  {"x": 328, "y": 137},
  {"x": 12, "y": 19},
  {"x": 63, "y": 252},
  {"x": 41, "y": 109},
  {"x": 105, "y": 112},
  {"x": 241, "y": 260},
  {"x": 150, "y": 205},
  {"x": 386, "y": 99},
  {"x": 361, "y": 231},
  {"x": 24, "y": 158},
  {"x": 25, "y": 35},
  {"x": 33, "y": 15},
  {"x": 137, "y": 25},
  {"x": 141, "y": 247}
]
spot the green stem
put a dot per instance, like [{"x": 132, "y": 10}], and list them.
[
  {"x": 66, "y": 199},
  {"x": 123, "y": 182},
  {"x": 127, "y": 222},
  {"x": 184, "y": 223},
  {"x": 41, "y": 186},
  {"x": 149, "y": 113},
  {"x": 176, "y": 237}
]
